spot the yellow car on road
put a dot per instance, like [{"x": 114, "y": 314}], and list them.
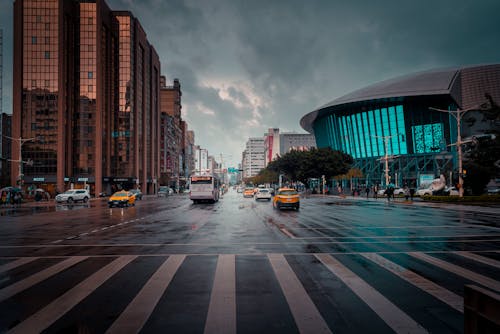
[
  {"x": 286, "y": 198},
  {"x": 122, "y": 198},
  {"x": 248, "y": 192}
]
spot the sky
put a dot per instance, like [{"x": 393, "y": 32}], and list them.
[{"x": 246, "y": 66}]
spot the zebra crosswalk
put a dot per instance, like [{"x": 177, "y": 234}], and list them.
[{"x": 411, "y": 292}]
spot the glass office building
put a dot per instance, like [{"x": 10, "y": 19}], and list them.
[
  {"x": 392, "y": 120},
  {"x": 86, "y": 94}
]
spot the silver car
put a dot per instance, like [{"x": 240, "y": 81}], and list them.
[{"x": 73, "y": 195}]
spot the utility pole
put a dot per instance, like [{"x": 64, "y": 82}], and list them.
[
  {"x": 21, "y": 141},
  {"x": 458, "y": 114},
  {"x": 386, "y": 156}
]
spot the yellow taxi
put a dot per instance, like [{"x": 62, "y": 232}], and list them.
[
  {"x": 286, "y": 198},
  {"x": 122, "y": 198},
  {"x": 248, "y": 192}
]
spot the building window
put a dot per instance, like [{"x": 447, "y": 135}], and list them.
[
  {"x": 91, "y": 88},
  {"x": 47, "y": 26},
  {"x": 33, "y": 83},
  {"x": 33, "y": 126},
  {"x": 90, "y": 75},
  {"x": 427, "y": 138},
  {"x": 33, "y": 39},
  {"x": 47, "y": 54}
]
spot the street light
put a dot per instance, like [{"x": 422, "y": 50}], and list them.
[
  {"x": 29, "y": 162},
  {"x": 458, "y": 114},
  {"x": 386, "y": 156}
]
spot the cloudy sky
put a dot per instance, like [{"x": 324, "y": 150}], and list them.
[{"x": 246, "y": 66}]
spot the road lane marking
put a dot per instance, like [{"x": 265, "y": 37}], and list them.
[
  {"x": 60, "y": 306},
  {"x": 395, "y": 318},
  {"x": 470, "y": 275},
  {"x": 479, "y": 258},
  {"x": 221, "y": 316},
  {"x": 305, "y": 313},
  {"x": 287, "y": 233},
  {"x": 420, "y": 282},
  {"x": 28, "y": 282},
  {"x": 16, "y": 263},
  {"x": 133, "y": 318}
]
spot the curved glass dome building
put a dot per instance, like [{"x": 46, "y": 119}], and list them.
[{"x": 392, "y": 119}]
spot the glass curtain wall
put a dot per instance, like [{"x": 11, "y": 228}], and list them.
[
  {"x": 362, "y": 134},
  {"x": 122, "y": 136},
  {"x": 40, "y": 86},
  {"x": 84, "y": 130}
]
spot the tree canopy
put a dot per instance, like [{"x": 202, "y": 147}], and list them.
[{"x": 302, "y": 165}]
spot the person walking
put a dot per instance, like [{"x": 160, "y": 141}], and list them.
[{"x": 367, "y": 190}]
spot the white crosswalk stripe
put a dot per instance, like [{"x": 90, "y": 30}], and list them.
[
  {"x": 475, "y": 277},
  {"x": 305, "y": 313},
  {"x": 399, "y": 321},
  {"x": 16, "y": 263},
  {"x": 49, "y": 314},
  {"x": 222, "y": 309},
  {"x": 221, "y": 318},
  {"x": 426, "y": 285},
  {"x": 28, "y": 282},
  {"x": 479, "y": 258},
  {"x": 138, "y": 311}
]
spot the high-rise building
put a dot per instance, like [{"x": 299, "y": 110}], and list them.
[
  {"x": 171, "y": 142},
  {"x": 253, "y": 157},
  {"x": 78, "y": 70},
  {"x": 296, "y": 141},
  {"x": 2, "y": 164},
  {"x": 277, "y": 144}
]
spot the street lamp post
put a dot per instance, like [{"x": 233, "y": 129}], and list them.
[
  {"x": 386, "y": 156},
  {"x": 458, "y": 114},
  {"x": 21, "y": 141}
]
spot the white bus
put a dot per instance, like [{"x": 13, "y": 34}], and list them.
[{"x": 204, "y": 188}]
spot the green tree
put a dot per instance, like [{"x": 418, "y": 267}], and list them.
[{"x": 302, "y": 165}]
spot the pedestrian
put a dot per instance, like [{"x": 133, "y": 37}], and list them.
[
  {"x": 17, "y": 199},
  {"x": 412, "y": 192},
  {"x": 375, "y": 191},
  {"x": 367, "y": 191},
  {"x": 406, "y": 192}
]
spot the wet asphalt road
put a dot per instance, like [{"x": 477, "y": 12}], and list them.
[{"x": 166, "y": 265}]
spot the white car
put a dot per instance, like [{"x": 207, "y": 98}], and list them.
[
  {"x": 263, "y": 193},
  {"x": 424, "y": 192},
  {"x": 73, "y": 195},
  {"x": 397, "y": 191},
  {"x": 451, "y": 191}
]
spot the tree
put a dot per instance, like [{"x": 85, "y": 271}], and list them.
[
  {"x": 302, "y": 165},
  {"x": 482, "y": 164}
]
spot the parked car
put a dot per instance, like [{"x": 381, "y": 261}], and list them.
[
  {"x": 451, "y": 191},
  {"x": 397, "y": 191},
  {"x": 137, "y": 193},
  {"x": 165, "y": 191},
  {"x": 122, "y": 198},
  {"x": 263, "y": 193},
  {"x": 73, "y": 195},
  {"x": 286, "y": 198}
]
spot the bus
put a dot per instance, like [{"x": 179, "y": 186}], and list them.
[{"x": 204, "y": 188}]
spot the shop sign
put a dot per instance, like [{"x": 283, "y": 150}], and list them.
[
  {"x": 83, "y": 179},
  {"x": 38, "y": 179}
]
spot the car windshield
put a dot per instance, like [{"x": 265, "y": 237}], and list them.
[
  {"x": 263, "y": 191},
  {"x": 69, "y": 192},
  {"x": 120, "y": 195},
  {"x": 288, "y": 192}
]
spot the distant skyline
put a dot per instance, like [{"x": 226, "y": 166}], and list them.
[{"x": 246, "y": 66}]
